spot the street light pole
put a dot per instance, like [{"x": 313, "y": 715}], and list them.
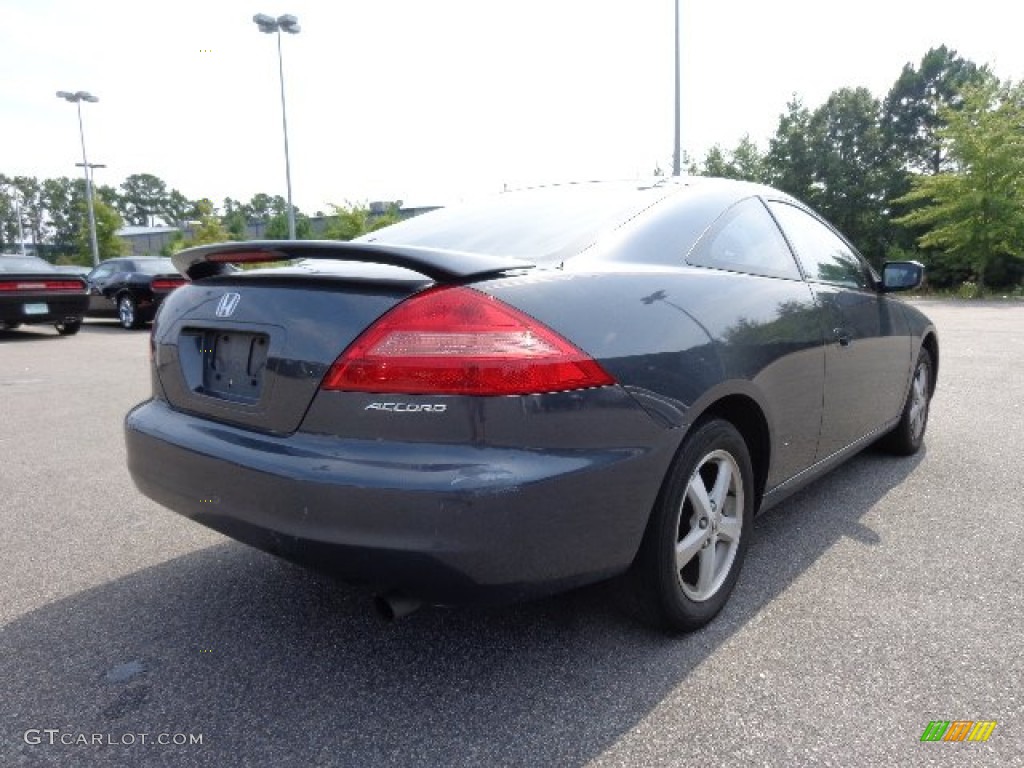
[
  {"x": 77, "y": 99},
  {"x": 270, "y": 25},
  {"x": 677, "y": 152}
]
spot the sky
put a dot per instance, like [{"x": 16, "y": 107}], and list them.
[{"x": 434, "y": 101}]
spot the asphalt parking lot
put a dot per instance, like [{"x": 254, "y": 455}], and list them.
[{"x": 883, "y": 597}]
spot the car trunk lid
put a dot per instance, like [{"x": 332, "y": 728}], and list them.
[{"x": 251, "y": 348}]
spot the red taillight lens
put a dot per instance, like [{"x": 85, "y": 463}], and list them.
[
  {"x": 32, "y": 286},
  {"x": 457, "y": 341},
  {"x": 164, "y": 284}
]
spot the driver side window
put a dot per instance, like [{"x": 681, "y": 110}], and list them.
[{"x": 825, "y": 257}]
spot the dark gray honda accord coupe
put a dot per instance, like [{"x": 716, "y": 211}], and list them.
[{"x": 548, "y": 388}]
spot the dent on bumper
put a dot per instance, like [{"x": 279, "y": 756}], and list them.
[{"x": 449, "y": 523}]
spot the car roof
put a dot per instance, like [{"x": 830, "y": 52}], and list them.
[
  {"x": 15, "y": 263},
  {"x": 548, "y": 225}
]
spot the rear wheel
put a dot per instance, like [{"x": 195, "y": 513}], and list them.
[
  {"x": 69, "y": 327},
  {"x": 697, "y": 537},
  {"x": 907, "y": 437},
  {"x": 128, "y": 312}
]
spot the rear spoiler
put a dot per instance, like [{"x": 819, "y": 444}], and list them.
[{"x": 439, "y": 265}]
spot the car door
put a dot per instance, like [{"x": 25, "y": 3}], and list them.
[
  {"x": 867, "y": 343},
  {"x": 99, "y": 283},
  {"x": 767, "y": 328}
]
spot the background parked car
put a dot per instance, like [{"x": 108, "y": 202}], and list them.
[
  {"x": 131, "y": 289},
  {"x": 32, "y": 291}
]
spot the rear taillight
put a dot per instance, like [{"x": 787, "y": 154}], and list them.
[
  {"x": 164, "y": 284},
  {"x": 33, "y": 286},
  {"x": 458, "y": 341}
]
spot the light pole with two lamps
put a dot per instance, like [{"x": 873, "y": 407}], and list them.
[
  {"x": 77, "y": 98},
  {"x": 270, "y": 25}
]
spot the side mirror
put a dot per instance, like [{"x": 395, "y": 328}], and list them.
[{"x": 901, "y": 276}]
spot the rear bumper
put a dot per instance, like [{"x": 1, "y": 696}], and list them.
[
  {"x": 58, "y": 308},
  {"x": 449, "y": 523}
]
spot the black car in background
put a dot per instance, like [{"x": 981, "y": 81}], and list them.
[
  {"x": 131, "y": 288},
  {"x": 33, "y": 292},
  {"x": 509, "y": 398}
]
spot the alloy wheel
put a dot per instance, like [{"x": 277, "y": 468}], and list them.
[
  {"x": 919, "y": 402},
  {"x": 710, "y": 525}
]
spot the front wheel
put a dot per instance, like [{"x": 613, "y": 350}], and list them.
[
  {"x": 907, "y": 437},
  {"x": 697, "y": 536},
  {"x": 128, "y": 312}
]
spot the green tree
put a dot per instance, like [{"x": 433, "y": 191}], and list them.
[
  {"x": 745, "y": 162},
  {"x": 715, "y": 163},
  {"x": 8, "y": 216},
  {"x": 33, "y": 209},
  {"x": 975, "y": 212},
  {"x": 277, "y": 227},
  {"x": 208, "y": 229},
  {"x": 351, "y": 220},
  {"x": 108, "y": 223},
  {"x": 143, "y": 197},
  {"x": 234, "y": 219},
  {"x": 789, "y": 162},
  {"x": 236, "y": 225},
  {"x": 64, "y": 200},
  {"x": 106, "y": 193},
  {"x": 850, "y": 168},
  {"x": 259, "y": 208},
  {"x": 912, "y": 114},
  {"x": 177, "y": 209}
]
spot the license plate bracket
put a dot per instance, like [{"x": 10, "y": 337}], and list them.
[{"x": 234, "y": 364}]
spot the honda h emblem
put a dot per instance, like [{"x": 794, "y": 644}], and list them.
[{"x": 227, "y": 304}]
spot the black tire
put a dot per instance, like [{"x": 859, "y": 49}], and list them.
[
  {"x": 907, "y": 437},
  {"x": 128, "y": 312},
  {"x": 69, "y": 327},
  {"x": 11, "y": 326},
  {"x": 671, "y": 596}
]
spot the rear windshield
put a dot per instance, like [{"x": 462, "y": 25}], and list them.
[
  {"x": 543, "y": 225},
  {"x": 23, "y": 264}
]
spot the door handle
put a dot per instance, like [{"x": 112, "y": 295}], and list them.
[{"x": 843, "y": 336}]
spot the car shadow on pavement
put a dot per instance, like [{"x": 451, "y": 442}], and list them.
[
  {"x": 28, "y": 333},
  {"x": 108, "y": 325},
  {"x": 276, "y": 666}
]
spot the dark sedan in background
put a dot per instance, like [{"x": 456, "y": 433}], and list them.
[
  {"x": 548, "y": 388},
  {"x": 33, "y": 292},
  {"x": 131, "y": 289}
]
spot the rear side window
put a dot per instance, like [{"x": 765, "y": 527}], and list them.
[
  {"x": 746, "y": 239},
  {"x": 102, "y": 271},
  {"x": 825, "y": 257}
]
